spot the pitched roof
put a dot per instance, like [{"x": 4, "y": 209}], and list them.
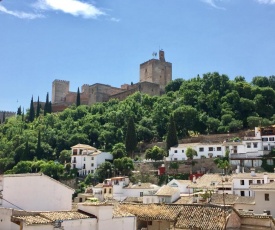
[
  {"x": 184, "y": 200},
  {"x": 202, "y": 217},
  {"x": 31, "y": 218},
  {"x": 141, "y": 186},
  {"x": 82, "y": 146},
  {"x": 189, "y": 216},
  {"x": 167, "y": 191},
  {"x": 230, "y": 199},
  {"x": 206, "y": 181},
  {"x": 268, "y": 186},
  {"x": 256, "y": 176}
]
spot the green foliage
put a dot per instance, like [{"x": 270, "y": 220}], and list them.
[
  {"x": 209, "y": 104},
  {"x": 119, "y": 150},
  {"x": 172, "y": 138},
  {"x": 123, "y": 165},
  {"x": 155, "y": 153},
  {"x": 131, "y": 138},
  {"x": 78, "y": 97}
]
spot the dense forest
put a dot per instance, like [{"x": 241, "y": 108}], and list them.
[{"x": 209, "y": 104}]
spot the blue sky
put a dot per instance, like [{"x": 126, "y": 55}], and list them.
[{"x": 105, "y": 41}]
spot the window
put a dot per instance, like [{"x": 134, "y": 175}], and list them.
[
  {"x": 141, "y": 194},
  {"x": 258, "y": 181},
  {"x": 219, "y": 148},
  {"x": 255, "y": 145},
  {"x": 271, "y": 181},
  {"x": 242, "y": 193},
  {"x": 175, "y": 151},
  {"x": 84, "y": 158},
  {"x": 210, "y": 149},
  {"x": 92, "y": 165},
  {"x": 271, "y": 139},
  {"x": 265, "y": 148},
  {"x": 104, "y": 190},
  {"x": 248, "y": 145},
  {"x": 182, "y": 151},
  {"x": 92, "y": 158},
  {"x": 175, "y": 159},
  {"x": 250, "y": 181},
  {"x": 242, "y": 182},
  {"x": 201, "y": 149},
  {"x": 84, "y": 166},
  {"x": 149, "y": 222},
  {"x": 266, "y": 196},
  {"x": 264, "y": 139}
]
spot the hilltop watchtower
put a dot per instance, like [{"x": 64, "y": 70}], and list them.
[
  {"x": 156, "y": 71},
  {"x": 60, "y": 89}
]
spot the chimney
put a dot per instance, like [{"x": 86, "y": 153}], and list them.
[
  {"x": 194, "y": 178},
  {"x": 265, "y": 178},
  {"x": 252, "y": 170}
]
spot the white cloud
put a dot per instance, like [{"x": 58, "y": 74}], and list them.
[
  {"x": 115, "y": 19},
  {"x": 20, "y": 14},
  {"x": 73, "y": 7},
  {"x": 213, "y": 3},
  {"x": 266, "y": 1}
]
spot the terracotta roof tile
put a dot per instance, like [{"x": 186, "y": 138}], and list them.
[
  {"x": 268, "y": 186},
  {"x": 50, "y": 217},
  {"x": 206, "y": 181},
  {"x": 167, "y": 191}
]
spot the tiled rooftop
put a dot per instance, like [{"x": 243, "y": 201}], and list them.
[
  {"x": 167, "y": 191},
  {"x": 49, "y": 217},
  {"x": 184, "y": 200},
  {"x": 206, "y": 181},
  {"x": 230, "y": 199},
  {"x": 256, "y": 176},
  {"x": 184, "y": 216},
  {"x": 268, "y": 186},
  {"x": 141, "y": 186}
]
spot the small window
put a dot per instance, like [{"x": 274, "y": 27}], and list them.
[
  {"x": 104, "y": 190},
  {"x": 92, "y": 158},
  {"x": 219, "y": 148},
  {"x": 201, "y": 149},
  {"x": 175, "y": 159},
  {"x": 248, "y": 145},
  {"x": 141, "y": 194},
  {"x": 242, "y": 182},
  {"x": 242, "y": 193},
  {"x": 175, "y": 151},
  {"x": 182, "y": 151},
  {"x": 271, "y": 139},
  {"x": 264, "y": 139},
  {"x": 258, "y": 181},
  {"x": 266, "y": 196},
  {"x": 210, "y": 149},
  {"x": 265, "y": 148},
  {"x": 255, "y": 145},
  {"x": 84, "y": 158},
  {"x": 92, "y": 165},
  {"x": 250, "y": 181},
  {"x": 271, "y": 181}
]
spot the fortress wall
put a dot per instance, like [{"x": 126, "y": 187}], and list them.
[{"x": 6, "y": 114}]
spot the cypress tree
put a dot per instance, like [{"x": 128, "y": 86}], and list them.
[
  {"x": 46, "y": 106},
  {"x": 38, "y": 108},
  {"x": 50, "y": 107},
  {"x": 131, "y": 137},
  {"x": 31, "y": 116},
  {"x": 78, "y": 97},
  {"x": 4, "y": 117},
  {"x": 38, "y": 147},
  {"x": 172, "y": 138},
  {"x": 19, "y": 111}
]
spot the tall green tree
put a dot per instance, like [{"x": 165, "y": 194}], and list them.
[
  {"x": 78, "y": 97},
  {"x": 47, "y": 105},
  {"x": 19, "y": 111},
  {"x": 172, "y": 138},
  {"x": 31, "y": 115},
  {"x": 190, "y": 153},
  {"x": 39, "y": 150},
  {"x": 131, "y": 138},
  {"x": 38, "y": 106}
]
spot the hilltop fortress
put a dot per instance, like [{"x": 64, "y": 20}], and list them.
[{"x": 155, "y": 74}]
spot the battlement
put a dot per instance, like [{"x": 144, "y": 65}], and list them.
[
  {"x": 62, "y": 81},
  {"x": 7, "y": 112}
]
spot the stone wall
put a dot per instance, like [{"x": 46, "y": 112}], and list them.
[
  {"x": 60, "y": 89},
  {"x": 5, "y": 115}
]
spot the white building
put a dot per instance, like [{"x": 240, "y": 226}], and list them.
[
  {"x": 87, "y": 158},
  {"x": 35, "y": 192},
  {"x": 247, "y": 151},
  {"x": 243, "y": 181},
  {"x": 182, "y": 185}
]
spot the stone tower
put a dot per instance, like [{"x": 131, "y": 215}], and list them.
[
  {"x": 156, "y": 71},
  {"x": 60, "y": 89}
]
